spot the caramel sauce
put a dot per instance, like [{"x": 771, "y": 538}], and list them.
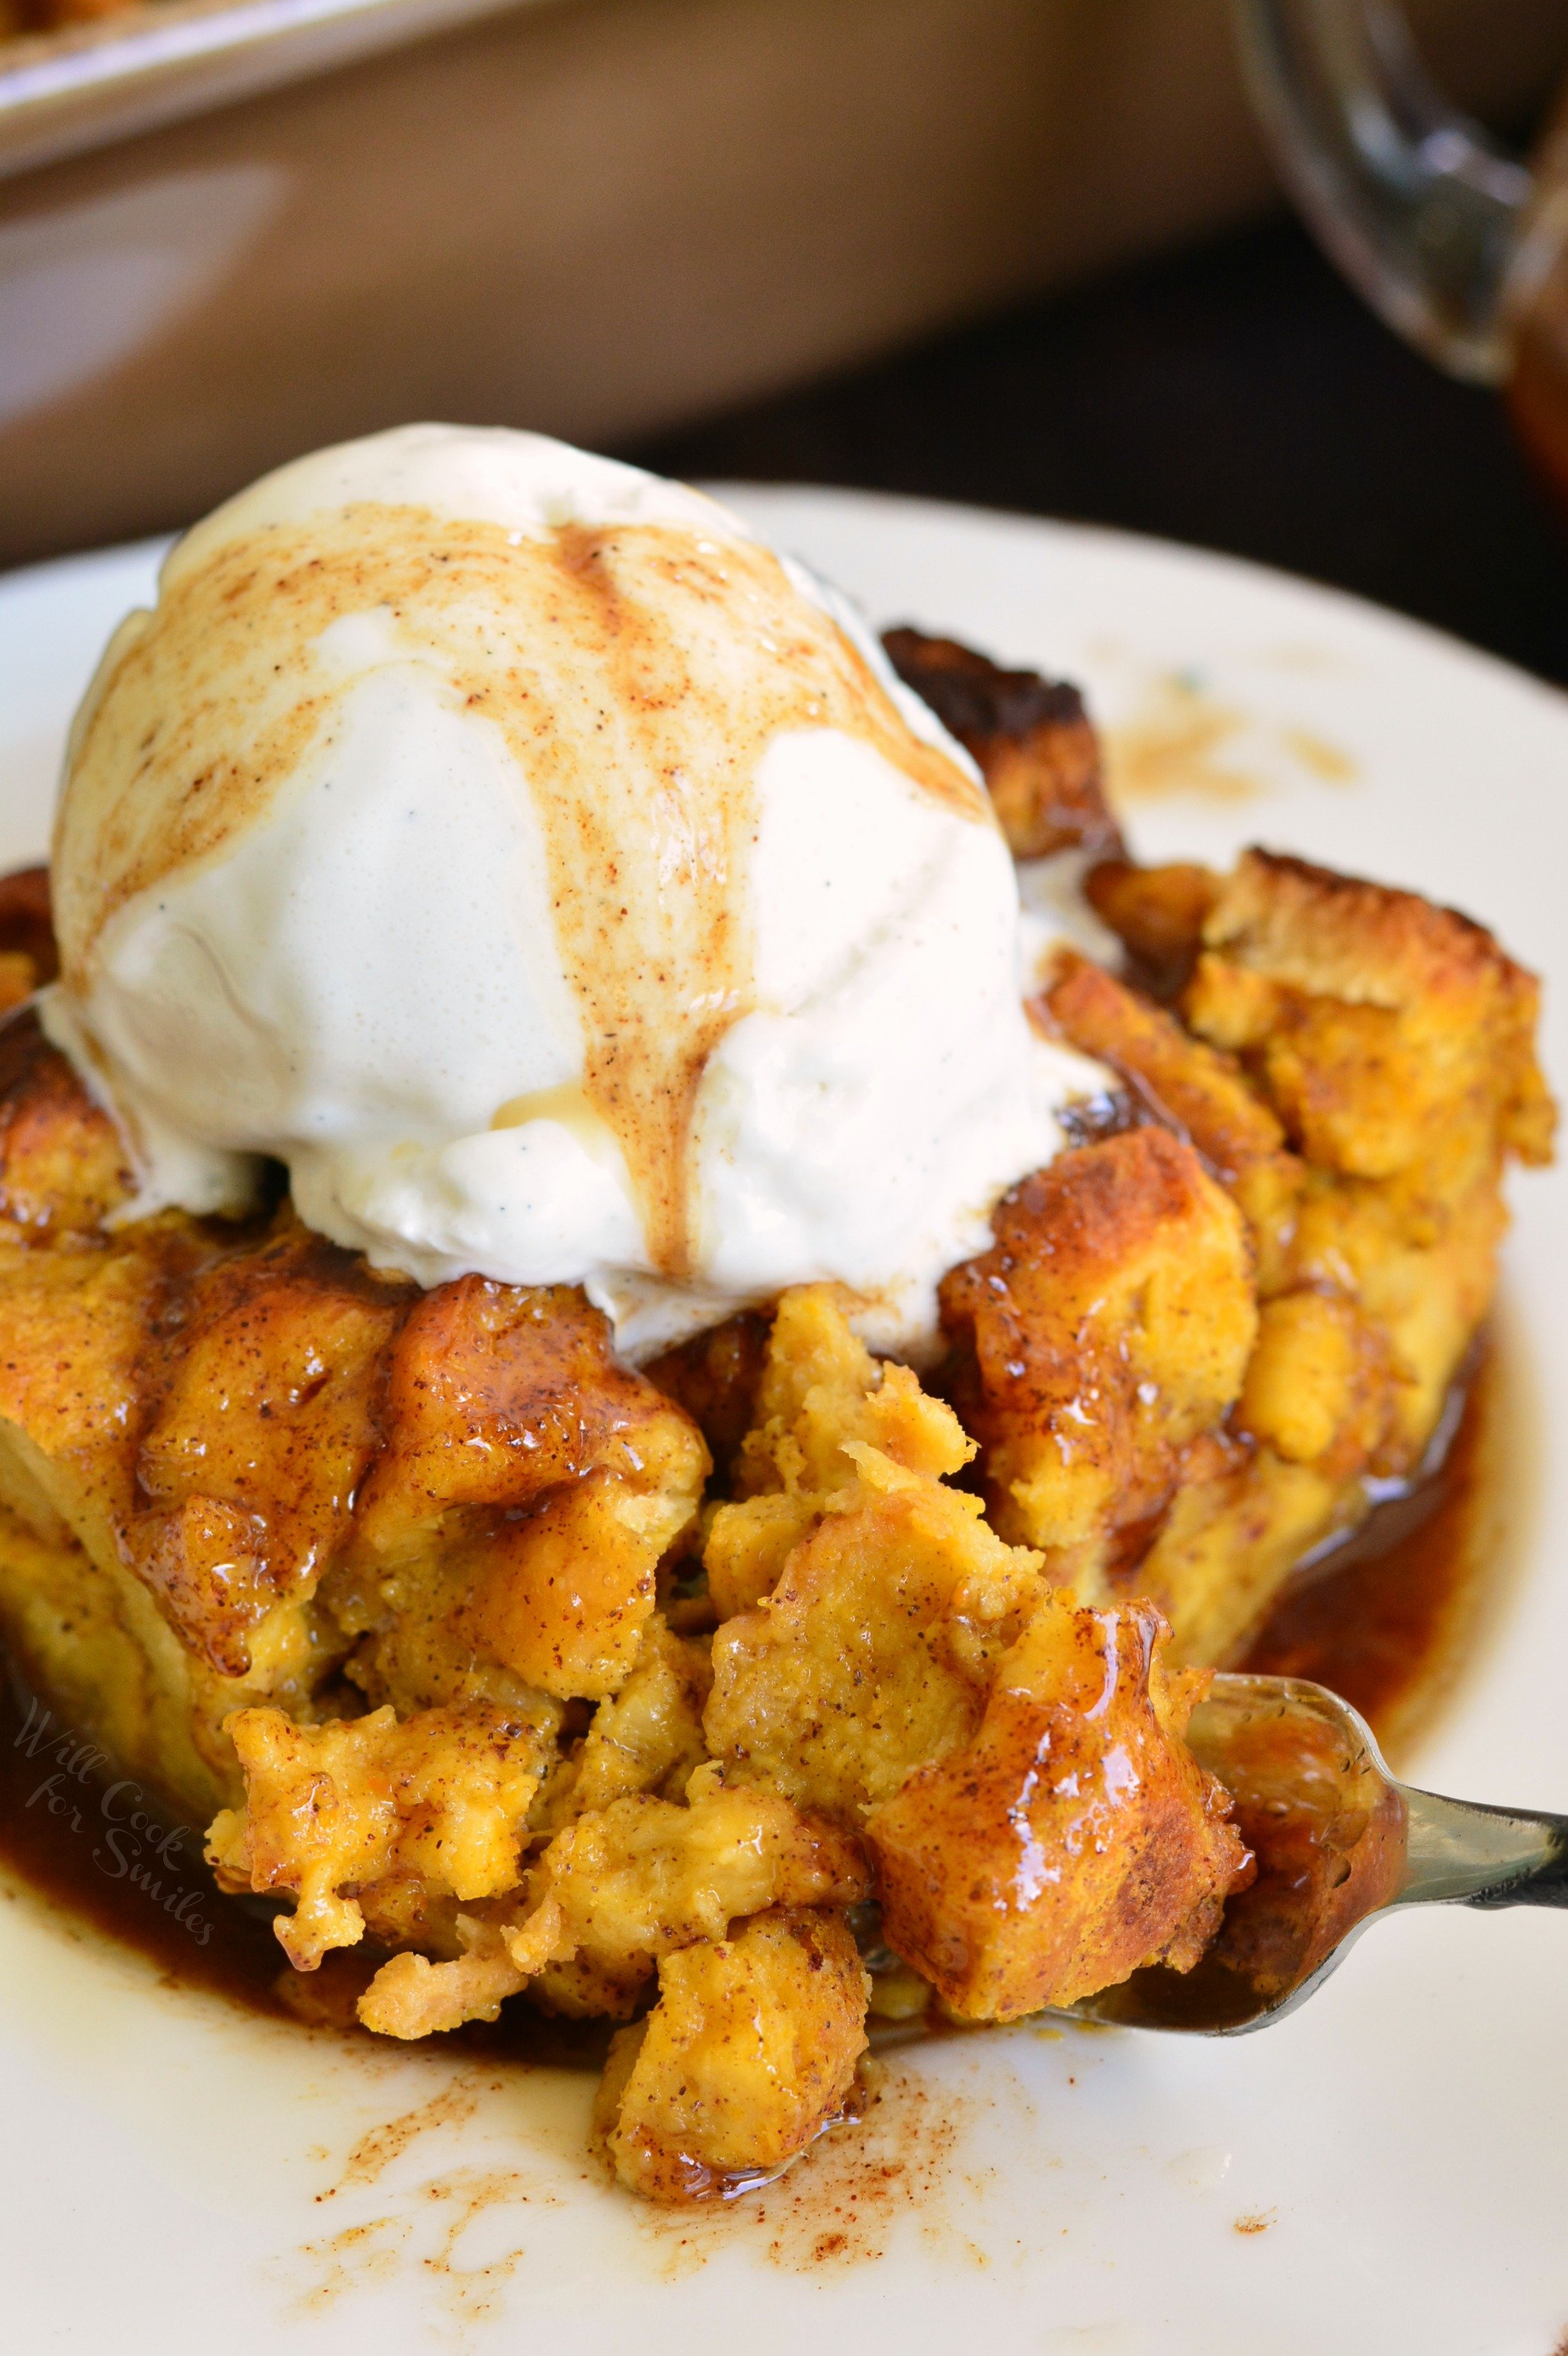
[{"x": 613, "y": 663}]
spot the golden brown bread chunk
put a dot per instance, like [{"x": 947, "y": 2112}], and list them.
[
  {"x": 260, "y": 1394},
  {"x": 1030, "y": 738},
  {"x": 1020, "y": 1871},
  {"x": 750, "y": 2054},
  {"x": 336, "y": 1809},
  {"x": 1106, "y": 1332},
  {"x": 715, "y": 1376},
  {"x": 464, "y": 1606},
  {"x": 1195, "y": 1090},
  {"x": 1378, "y": 1025},
  {"x": 820, "y": 1388},
  {"x": 645, "y": 1876},
  {"x": 872, "y": 1654},
  {"x": 495, "y": 1394},
  {"x": 527, "y": 1489},
  {"x": 81, "y": 1368},
  {"x": 1158, "y": 912},
  {"x": 1369, "y": 1019},
  {"x": 646, "y": 1738},
  {"x": 62, "y": 1166}
]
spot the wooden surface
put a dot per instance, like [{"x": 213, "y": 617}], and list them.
[{"x": 1238, "y": 396}]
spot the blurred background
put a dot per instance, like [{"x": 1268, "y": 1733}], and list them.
[{"x": 1032, "y": 254}]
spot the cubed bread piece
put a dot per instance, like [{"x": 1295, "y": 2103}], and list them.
[
  {"x": 1029, "y": 736},
  {"x": 328, "y": 1809},
  {"x": 1073, "y": 1839},
  {"x": 1365, "y": 1067},
  {"x": 87, "y": 1634},
  {"x": 820, "y": 1389},
  {"x": 1395, "y": 1041},
  {"x": 1231, "y": 1539},
  {"x": 1319, "y": 1387},
  {"x": 498, "y": 1393},
  {"x": 63, "y": 1164},
  {"x": 872, "y": 1654},
  {"x": 1158, "y": 912},
  {"x": 200, "y": 1415},
  {"x": 1383, "y": 1028},
  {"x": 1106, "y": 1330},
  {"x": 750, "y": 2054},
  {"x": 645, "y": 1876},
  {"x": 1193, "y": 1089},
  {"x": 1422, "y": 1266},
  {"x": 260, "y": 1394},
  {"x": 715, "y": 1378},
  {"x": 76, "y": 1321},
  {"x": 528, "y": 1488},
  {"x": 81, "y": 1319},
  {"x": 562, "y": 1595},
  {"x": 649, "y": 1736},
  {"x": 617, "y": 1888}
]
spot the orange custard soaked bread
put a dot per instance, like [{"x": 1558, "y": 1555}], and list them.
[
  {"x": 1180, "y": 1405},
  {"x": 1358, "y": 1066},
  {"x": 658, "y": 1696}
]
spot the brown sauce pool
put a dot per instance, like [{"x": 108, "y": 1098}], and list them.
[{"x": 1386, "y": 1620}]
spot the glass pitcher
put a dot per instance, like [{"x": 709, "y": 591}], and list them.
[{"x": 1460, "y": 246}]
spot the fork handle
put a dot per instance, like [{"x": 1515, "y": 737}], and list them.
[{"x": 1459, "y": 1853}]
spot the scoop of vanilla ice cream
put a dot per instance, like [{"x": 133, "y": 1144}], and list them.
[{"x": 559, "y": 882}]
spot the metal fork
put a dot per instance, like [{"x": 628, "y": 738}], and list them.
[{"x": 1339, "y": 1843}]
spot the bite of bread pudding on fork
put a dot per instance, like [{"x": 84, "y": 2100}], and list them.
[{"x": 621, "y": 1463}]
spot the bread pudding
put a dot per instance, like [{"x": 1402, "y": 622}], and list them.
[{"x": 653, "y": 1642}]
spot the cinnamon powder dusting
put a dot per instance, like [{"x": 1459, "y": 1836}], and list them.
[{"x": 899, "y": 2162}]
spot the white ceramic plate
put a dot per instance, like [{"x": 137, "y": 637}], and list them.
[{"x": 179, "y": 2176}]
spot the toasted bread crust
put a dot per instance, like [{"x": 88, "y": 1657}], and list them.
[{"x": 1030, "y": 737}]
